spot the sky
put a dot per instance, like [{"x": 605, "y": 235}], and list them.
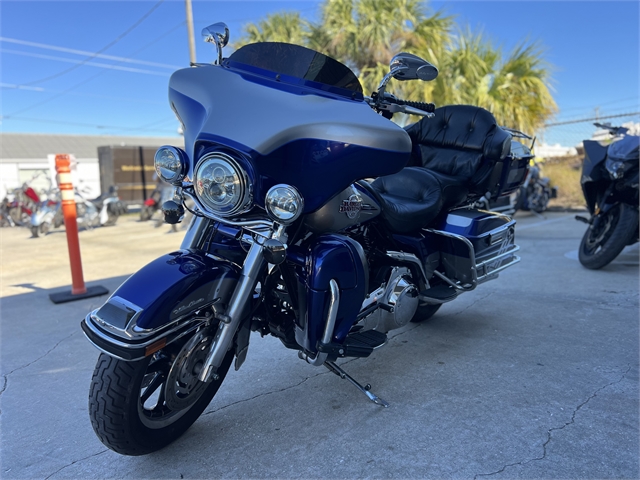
[{"x": 51, "y": 81}]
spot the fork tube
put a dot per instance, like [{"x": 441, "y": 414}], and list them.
[
  {"x": 196, "y": 233},
  {"x": 230, "y": 322}
]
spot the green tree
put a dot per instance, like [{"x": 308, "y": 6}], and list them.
[{"x": 365, "y": 34}]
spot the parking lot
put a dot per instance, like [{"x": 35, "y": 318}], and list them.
[{"x": 534, "y": 375}]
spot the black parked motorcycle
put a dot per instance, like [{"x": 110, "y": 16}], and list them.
[{"x": 610, "y": 186}]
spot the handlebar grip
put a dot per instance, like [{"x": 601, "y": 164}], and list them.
[{"x": 427, "y": 107}]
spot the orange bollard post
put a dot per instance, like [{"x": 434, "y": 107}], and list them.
[{"x": 78, "y": 288}]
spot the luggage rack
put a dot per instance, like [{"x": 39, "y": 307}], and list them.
[{"x": 487, "y": 269}]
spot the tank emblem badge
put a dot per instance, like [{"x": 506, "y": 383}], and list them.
[{"x": 352, "y": 206}]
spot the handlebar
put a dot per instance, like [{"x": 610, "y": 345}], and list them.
[{"x": 424, "y": 106}]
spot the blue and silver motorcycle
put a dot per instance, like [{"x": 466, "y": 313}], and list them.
[{"x": 316, "y": 220}]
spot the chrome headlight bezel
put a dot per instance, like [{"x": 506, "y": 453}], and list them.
[
  {"x": 294, "y": 199},
  {"x": 244, "y": 202},
  {"x": 176, "y": 172}
]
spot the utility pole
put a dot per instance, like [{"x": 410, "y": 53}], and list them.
[{"x": 192, "y": 42}]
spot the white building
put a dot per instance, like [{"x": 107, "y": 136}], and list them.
[
  {"x": 30, "y": 157},
  {"x": 547, "y": 151}
]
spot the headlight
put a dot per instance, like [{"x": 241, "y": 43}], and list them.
[
  {"x": 222, "y": 185},
  {"x": 284, "y": 204},
  {"x": 615, "y": 168},
  {"x": 171, "y": 164}
]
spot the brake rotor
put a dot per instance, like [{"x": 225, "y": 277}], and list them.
[{"x": 183, "y": 388}]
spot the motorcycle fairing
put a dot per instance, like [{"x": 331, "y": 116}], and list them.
[
  {"x": 315, "y": 143},
  {"x": 157, "y": 297},
  {"x": 626, "y": 149},
  {"x": 330, "y": 257}
]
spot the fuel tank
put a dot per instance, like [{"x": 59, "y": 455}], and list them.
[{"x": 351, "y": 206}]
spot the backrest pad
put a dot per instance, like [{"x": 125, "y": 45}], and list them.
[{"x": 459, "y": 141}]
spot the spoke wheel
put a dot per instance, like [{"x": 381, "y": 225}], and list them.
[{"x": 140, "y": 407}]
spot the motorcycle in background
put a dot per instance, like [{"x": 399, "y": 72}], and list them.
[
  {"x": 21, "y": 204},
  {"x": 101, "y": 211},
  {"x": 610, "y": 187},
  {"x": 289, "y": 238},
  {"x": 535, "y": 192},
  {"x": 152, "y": 204},
  {"x": 48, "y": 215},
  {"x": 5, "y": 217}
]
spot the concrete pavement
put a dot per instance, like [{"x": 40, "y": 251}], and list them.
[{"x": 534, "y": 375}]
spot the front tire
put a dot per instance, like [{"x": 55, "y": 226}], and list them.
[
  {"x": 600, "y": 246},
  {"x": 139, "y": 407},
  {"x": 35, "y": 232}
]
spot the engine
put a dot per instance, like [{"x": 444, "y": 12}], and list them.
[{"x": 397, "y": 301}]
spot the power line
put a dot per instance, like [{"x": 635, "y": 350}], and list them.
[
  {"x": 83, "y": 52},
  {"x": 70, "y": 89},
  {"x": 80, "y": 94},
  {"x": 608, "y": 111},
  {"x": 91, "y": 64},
  {"x": 112, "y": 43},
  {"x": 63, "y": 122},
  {"x": 592, "y": 119},
  {"x": 590, "y": 107}
]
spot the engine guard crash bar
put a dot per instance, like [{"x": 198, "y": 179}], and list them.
[
  {"x": 334, "y": 303},
  {"x": 480, "y": 272}
]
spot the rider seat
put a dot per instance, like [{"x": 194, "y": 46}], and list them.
[
  {"x": 410, "y": 198},
  {"x": 455, "y": 154}
]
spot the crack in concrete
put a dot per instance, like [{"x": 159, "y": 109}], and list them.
[
  {"x": 473, "y": 303},
  {"x": 5, "y": 377},
  {"x": 274, "y": 391},
  {"x": 554, "y": 429},
  {"x": 76, "y": 461},
  {"x": 299, "y": 383}
]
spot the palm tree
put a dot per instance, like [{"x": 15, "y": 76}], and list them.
[
  {"x": 287, "y": 27},
  {"x": 365, "y": 34}
]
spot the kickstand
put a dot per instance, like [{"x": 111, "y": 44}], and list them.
[
  {"x": 366, "y": 389},
  {"x": 539, "y": 215}
]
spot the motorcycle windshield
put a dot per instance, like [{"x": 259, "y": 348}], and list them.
[{"x": 297, "y": 62}]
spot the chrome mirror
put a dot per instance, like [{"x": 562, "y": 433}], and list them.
[
  {"x": 406, "y": 66},
  {"x": 217, "y": 33}
]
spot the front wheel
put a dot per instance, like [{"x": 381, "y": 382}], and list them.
[
  {"x": 35, "y": 231},
  {"x": 607, "y": 236},
  {"x": 139, "y": 407}
]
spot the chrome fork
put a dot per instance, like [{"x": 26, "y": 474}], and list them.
[{"x": 230, "y": 321}]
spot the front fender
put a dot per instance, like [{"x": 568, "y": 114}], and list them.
[{"x": 158, "y": 302}]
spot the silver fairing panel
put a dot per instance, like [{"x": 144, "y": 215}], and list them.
[{"x": 218, "y": 101}]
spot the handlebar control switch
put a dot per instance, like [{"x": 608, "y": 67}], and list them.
[{"x": 173, "y": 212}]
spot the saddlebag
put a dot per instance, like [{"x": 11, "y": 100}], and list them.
[{"x": 475, "y": 246}]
